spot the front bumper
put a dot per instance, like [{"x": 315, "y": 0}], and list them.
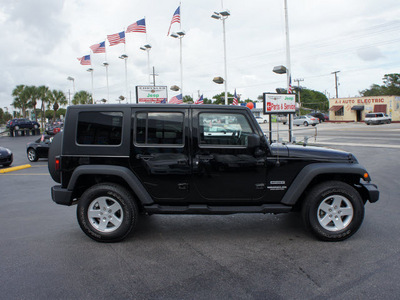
[
  {"x": 371, "y": 192},
  {"x": 61, "y": 196}
]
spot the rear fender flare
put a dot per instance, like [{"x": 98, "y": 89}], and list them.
[{"x": 118, "y": 171}]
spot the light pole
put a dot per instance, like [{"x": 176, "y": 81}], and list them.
[
  {"x": 147, "y": 48},
  {"x": 105, "y": 64},
  {"x": 91, "y": 74},
  {"x": 336, "y": 83},
  {"x": 223, "y": 15},
  {"x": 125, "y": 58},
  {"x": 73, "y": 86},
  {"x": 179, "y": 35}
]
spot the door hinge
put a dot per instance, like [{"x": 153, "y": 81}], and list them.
[
  {"x": 183, "y": 186},
  {"x": 260, "y": 186}
]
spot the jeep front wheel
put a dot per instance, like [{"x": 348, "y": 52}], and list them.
[
  {"x": 107, "y": 212},
  {"x": 333, "y": 211}
]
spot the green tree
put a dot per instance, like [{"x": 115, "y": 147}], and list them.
[
  {"x": 390, "y": 87},
  {"x": 21, "y": 98},
  {"x": 187, "y": 99},
  {"x": 313, "y": 99},
  {"x": 34, "y": 96},
  {"x": 220, "y": 98},
  {"x": 82, "y": 97},
  {"x": 56, "y": 98}
]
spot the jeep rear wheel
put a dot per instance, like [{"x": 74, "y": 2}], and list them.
[
  {"x": 107, "y": 212},
  {"x": 333, "y": 211}
]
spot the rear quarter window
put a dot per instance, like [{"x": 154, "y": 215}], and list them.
[{"x": 99, "y": 128}]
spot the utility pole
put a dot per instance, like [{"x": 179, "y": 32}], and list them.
[
  {"x": 298, "y": 88},
  {"x": 336, "y": 83}
]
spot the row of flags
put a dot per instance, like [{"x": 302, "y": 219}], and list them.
[
  {"x": 114, "y": 39},
  {"x": 118, "y": 38}
]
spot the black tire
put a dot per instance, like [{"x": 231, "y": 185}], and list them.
[
  {"x": 32, "y": 155},
  {"x": 35, "y": 126},
  {"x": 107, "y": 212},
  {"x": 305, "y": 123},
  {"x": 16, "y": 128},
  {"x": 333, "y": 211}
]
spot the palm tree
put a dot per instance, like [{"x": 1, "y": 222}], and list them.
[
  {"x": 82, "y": 97},
  {"x": 56, "y": 98},
  {"x": 21, "y": 98},
  {"x": 34, "y": 96},
  {"x": 43, "y": 94}
]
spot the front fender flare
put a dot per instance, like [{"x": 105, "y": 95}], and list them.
[
  {"x": 124, "y": 173},
  {"x": 304, "y": 178}
]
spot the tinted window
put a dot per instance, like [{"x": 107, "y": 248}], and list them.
[
  {"x": 159, "y": 128},
  {"x": 224, "y": 129},
  {"x": 99, "y": 128}
]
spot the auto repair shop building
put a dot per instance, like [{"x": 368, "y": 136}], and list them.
[{"x": 354, "y": 109}]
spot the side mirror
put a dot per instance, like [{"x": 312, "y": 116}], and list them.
[{"x": 253, "y": 140}]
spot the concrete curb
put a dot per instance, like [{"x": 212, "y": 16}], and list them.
[{"x": 15, "y": 168}]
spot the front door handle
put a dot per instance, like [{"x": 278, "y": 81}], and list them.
[{"x": 144, "y": 156}]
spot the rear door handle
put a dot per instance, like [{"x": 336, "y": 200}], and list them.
[{"x": 144, "y": 156}]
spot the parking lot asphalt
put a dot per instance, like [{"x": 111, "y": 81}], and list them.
[{"x": 45, "y": 255}]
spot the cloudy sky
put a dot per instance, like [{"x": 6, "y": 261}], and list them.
[{"x": 42, "y": 39}]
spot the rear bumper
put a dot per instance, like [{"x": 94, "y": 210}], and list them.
[
  {"x": 372, "y": 192},
  {"x": 61, "y": 196}
]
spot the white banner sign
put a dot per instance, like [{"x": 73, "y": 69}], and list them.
[
  {"x": 151, "y": 94},
  {"x": 279, "y": 103}
]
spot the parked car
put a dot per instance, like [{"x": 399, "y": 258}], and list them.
[
  {"x": 6, "y": 157},
  {"x": 54, "y": 129},
  {"x": 39, "y": 148},
  {"x": 305, "y": 120},
  {"x": 319, "y": 115},
  {"x": 377, "y": 118},
  {"x": 17, "y": 124},
  {"x": 326, "y": 117},
  {"x": 261, "y": 120},
  {"x": 281, "y": 119}
]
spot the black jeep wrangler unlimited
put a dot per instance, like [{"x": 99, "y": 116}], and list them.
[{"x": 117, "y": 161}]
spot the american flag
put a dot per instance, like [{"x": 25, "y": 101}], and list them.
[
  {"x": 235, "y": 99},
  {"x": 84, "y": 60},
  {"x": 200, "y": 100},
  {"x": 290, "y": 89},
  {"x": 176, "y": 18},
  {"x": 139, "y": 26},
  {"x": 176, "y": 100},
  {"x": 99, "y": 48},
  {"x": 116, "y": 38}
]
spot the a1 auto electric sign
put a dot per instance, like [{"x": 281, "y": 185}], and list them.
[{"x": 279, "y": 103}]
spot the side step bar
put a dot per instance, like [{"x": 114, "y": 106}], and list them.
[{"x": 216, "y": 210}]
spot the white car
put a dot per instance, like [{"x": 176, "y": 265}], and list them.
[
  {"x": 305, "y": 120},
  {"x": 261, "y": 120},
  {"x": 377, "y": 118}
]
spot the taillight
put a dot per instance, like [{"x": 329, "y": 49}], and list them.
[{"x": 57, "y": 164}]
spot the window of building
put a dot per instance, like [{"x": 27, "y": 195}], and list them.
[
  {"x": 339, "y": 112},
  {"x": 380, "y": 108},
  {"x": 99, "y": 128},
  {"x": 159, "y": 128},
  {"x": 223, "y": 129}
]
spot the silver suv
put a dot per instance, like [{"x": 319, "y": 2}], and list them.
[{"x": 377, "y": 118}]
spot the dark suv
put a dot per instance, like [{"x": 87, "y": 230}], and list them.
[
  {"x": 117, "y": 161},
  {"x": 17, "y": 124}
]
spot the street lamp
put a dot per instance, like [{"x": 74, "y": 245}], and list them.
[
  {"x": 73, "y": 86},
  {"x": 179, "y": 35},
  {"x": 222, "y": 16},
  {"x": 125, "y": 58},
  {"x": 147, "y": 48},
  {"x": 91, "y": 73},
  {"x": 105, "y": 64}
]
